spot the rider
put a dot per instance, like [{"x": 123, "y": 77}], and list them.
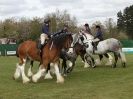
[
  {"x": 45, "y": 32},
  {"x": 87, "y": 29},
  {"x": 98, "y": 37},
  {"x": 64, "y": 30}
]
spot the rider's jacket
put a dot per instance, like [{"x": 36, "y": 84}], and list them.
[
  {"x": 99, "y": 35},
  {"x": 61, "y": 31},
  {"x": 45, "y": 29}
]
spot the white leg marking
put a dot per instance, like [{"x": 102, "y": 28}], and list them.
[
  {"x": 69, "y": 63},
  {"x": 48, "y": 76},
  {"x": 52, "y": 69},
  {"x": 98, "y": 62},
  {"x": 17, "y": 73},
  {"x": 24, "y": 77},
  {"x": 82, "y": 61},
  {"x": 38, "y": 74},
  {"x": 70, "y": 51},
  {"x": 86, "y": 65},
  {"x": 60, "y": 79},
  {"x": 123, "y": 58},
  {"x": 109, "y": 62},
  {"x": 30, "y": 72}
]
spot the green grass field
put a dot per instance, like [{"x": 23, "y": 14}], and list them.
[{"x": 102, "y": 82}]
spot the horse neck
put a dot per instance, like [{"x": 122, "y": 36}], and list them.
[
  {"x": 77, "y": 48},
  {"x": 59, "y": 42},
  {"x": 89, "y": 36}
]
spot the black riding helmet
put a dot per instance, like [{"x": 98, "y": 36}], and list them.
[
  {"x": 86, "y": 24},
  {"x": 47, "y": 21},
  {"x": 97, "y": 26}
]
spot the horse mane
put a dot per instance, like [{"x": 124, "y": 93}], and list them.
[{"x": 60, "y": 39}]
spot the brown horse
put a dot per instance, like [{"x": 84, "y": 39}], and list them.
[
  {"x": 28, "y": 51},
  {"x": 70, "y": 58},
  {"x": 51, "y": 54}
]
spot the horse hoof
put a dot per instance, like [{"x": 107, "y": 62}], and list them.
[
  {"x": 61, "y": 80},
  {"x": 48, "y": 77},
  {"x": 86, "y": 66},
  {"x": 27, "y": 80},
  {"x": 34, "y": 79},
  {"x": 124, "y": 65},
  {"x": 30, "y": 74},
  {"x": 94, "y": 66},
  {"x": 65, "y": 75},
  {"x": 16, "y": 76},
  {"x": 114, "y": 66}
]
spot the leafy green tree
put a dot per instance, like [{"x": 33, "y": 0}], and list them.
[
  {"x": 59, "y": 18},
  {"x": 120, "y": 22},
  {"x": 8, "y": 28},
  {"x": 35, "y": 28},
  {"x": 125, "y": 21}
]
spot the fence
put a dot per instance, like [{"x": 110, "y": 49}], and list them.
[
  {"x": 127, "y": 43},
  {"x": 127, "y": 46},
  {"x": 10, "y": 49}
]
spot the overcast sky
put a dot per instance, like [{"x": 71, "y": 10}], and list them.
[{"x": 84, "y": 10}]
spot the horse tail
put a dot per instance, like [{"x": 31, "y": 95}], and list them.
[
  {"x": 122, "y": 55},
  {"x": 17, "y": 52},
  {"x": 120, "y": 44},
  {"x": 110, "y": 57}
]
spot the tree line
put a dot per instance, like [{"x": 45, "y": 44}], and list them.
[
  {"x": 125, "y": 21},
  {"x": 24, "y": 28}
]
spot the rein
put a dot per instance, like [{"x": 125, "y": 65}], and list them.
[
  {"x": 87, "y": 40},
  {"x": 51, "y": 45}
]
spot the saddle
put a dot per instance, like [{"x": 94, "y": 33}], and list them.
[{"x": 39, "y": 46}]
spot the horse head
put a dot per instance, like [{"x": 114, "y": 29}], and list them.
[
  {"x": 85, "y": 37},
  {"x": 76, "y": 39},
  {"x": 68, "y": 41}
]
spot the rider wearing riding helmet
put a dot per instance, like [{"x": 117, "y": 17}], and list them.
[
  {"x": 64, "y": 30},
  {"x": 98, "y": 37},
  {"x": 87, "y": 29},
  {"x": 45, "y": 32}
]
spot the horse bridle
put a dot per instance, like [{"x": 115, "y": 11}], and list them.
[{"x": 85, "y": 44}]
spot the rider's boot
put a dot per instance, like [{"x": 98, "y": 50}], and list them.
[{"x": 40, "y": 46}]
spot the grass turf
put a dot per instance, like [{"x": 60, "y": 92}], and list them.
[{"x": 102, "y": 82}]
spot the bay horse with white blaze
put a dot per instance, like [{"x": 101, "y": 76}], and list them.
[{"x": 28, "y": 51}]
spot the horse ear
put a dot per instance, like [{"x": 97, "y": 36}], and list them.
[
  {"x": 72, "y": 33},
  {"x": 69, "y": 33},
  {"x": 80, "y": 33}
]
